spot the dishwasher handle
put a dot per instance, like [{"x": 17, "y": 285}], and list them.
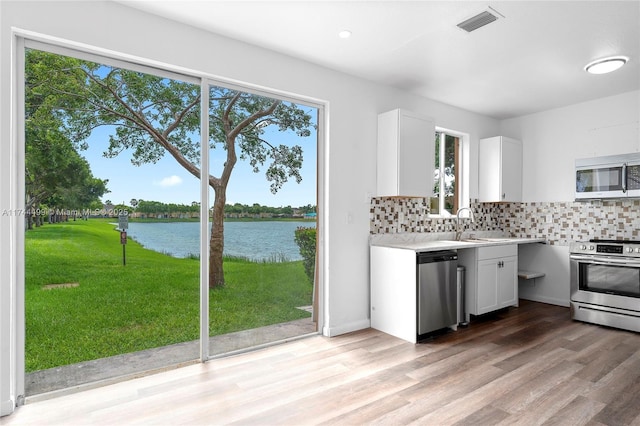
[{"x": 436, "y": 256}]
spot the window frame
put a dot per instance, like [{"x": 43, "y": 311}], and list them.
[{"x": 462, "y": 172}]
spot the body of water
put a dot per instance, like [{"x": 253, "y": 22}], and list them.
[{"x": 258, "y": 240}]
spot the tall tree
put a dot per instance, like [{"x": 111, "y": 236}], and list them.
[
  {"x": 55, "y": 174},
  {"x": 154, "y": 116}
]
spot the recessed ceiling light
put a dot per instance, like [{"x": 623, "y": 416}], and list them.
[
  {"x": 344, "y": 34},
  {"x": 605, "y": 65}
]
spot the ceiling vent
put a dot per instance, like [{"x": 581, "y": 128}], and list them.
[{"x": 475, "y": 22}]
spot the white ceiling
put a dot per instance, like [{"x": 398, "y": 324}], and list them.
[{"x": 531, "y": 60}]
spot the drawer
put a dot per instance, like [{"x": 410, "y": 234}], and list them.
[{"x": 492, "y": 252}]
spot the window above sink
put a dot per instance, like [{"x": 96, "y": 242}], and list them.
[{"x": 451, "y": 173}]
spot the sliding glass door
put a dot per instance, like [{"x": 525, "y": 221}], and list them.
[{"x": 168, "y": 217}]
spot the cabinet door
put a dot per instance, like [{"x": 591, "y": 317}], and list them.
[
  {"x": 500, "y": 169},
  {"x": 416, "y": 155},
  {"x": 507, "y": 282},
  {"x": 487, "y": 290},
  {"x": 511, "y": 166},
  {"x": 406, "y": 156},
  {"x": 489, "y": 170}
]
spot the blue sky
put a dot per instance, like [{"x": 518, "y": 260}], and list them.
[{"x": 166, "y": 181}]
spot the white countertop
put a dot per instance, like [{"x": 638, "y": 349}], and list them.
[{"x": 417, "y": 244}]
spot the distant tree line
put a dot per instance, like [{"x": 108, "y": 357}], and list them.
[
  {"x": 155, "y": 207},
  {"x": 257, "y": 209},
  {"x": 237, "y": 209}
]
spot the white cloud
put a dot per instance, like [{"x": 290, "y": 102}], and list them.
[{"x": 169, "y": 181}]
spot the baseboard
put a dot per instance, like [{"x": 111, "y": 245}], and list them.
[
  {"x": 548, "y": 300},
  {"x": 346, "y": 328}
]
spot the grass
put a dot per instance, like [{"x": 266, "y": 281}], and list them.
[{"x": 152, "y": 301}]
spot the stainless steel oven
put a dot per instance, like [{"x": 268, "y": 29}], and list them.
[{"x": 605, "y": 283}]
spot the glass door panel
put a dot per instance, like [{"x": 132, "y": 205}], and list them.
[
  {"x": 111, "y": 245},
  {"x": 262, "y": 221}
]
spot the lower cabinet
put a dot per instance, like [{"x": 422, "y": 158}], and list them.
[
  {"x": 491, "y": 278},
  {"x": 491, "y": 283},
  {"x": 393, "y": 292}
]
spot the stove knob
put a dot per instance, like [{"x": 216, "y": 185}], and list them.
[
  {"x": 629, "y": 250},
  {"x": 592, "y": 248},
  {"x": 583, "y": 247},
  {"x": 638, "y": 250}
]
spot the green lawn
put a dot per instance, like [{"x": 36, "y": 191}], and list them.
[{"x": 152, "y": 301}]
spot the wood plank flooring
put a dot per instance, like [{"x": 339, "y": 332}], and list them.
[{"x": 530, "y": 365}]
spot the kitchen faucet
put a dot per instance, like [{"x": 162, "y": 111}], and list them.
[{"x": 458, "y": 231}]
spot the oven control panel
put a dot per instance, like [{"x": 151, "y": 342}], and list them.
[
  {"x": 609, "y": 248},
  {"x": 621, "y": 248},
  {"x": 582, "y": 248}
]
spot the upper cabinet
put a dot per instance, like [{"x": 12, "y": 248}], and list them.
[
  {"x": 406, "y": 143},
  {"x": 500, "y": 169}
]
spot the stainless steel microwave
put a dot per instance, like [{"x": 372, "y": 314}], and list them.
[{"x": 613, "y": 176}]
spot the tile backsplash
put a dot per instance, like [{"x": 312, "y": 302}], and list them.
[{"x": 558, "y": 222}]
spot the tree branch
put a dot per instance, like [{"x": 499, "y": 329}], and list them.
[
  {"x": 180, "y": 116},
  {"x": 258, "y": 114},
  {"x": 141, "y": 121}
]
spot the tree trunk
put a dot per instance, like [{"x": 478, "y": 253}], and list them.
[{"x": 216, "y": 243}]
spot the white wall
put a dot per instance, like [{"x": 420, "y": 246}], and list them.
[
  {"x": 552, "y": 140},
  {"x": 353, "y": 108}
]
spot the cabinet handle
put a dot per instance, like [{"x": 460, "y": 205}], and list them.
[{"x": 504, "y": 195}]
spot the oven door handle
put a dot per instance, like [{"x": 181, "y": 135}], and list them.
[{"x": 600, "y": 260}]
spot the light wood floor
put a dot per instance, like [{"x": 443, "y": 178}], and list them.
[{"x": 529, "y": 365}]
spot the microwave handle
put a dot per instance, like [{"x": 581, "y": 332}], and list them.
[{"x": 624, "y": 177}]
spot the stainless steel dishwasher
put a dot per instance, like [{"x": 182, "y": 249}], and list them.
[{"x": 437, "y": 291}]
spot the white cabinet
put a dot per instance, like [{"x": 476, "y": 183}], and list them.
[
  {"x": 500, "y": 169},
  {"x": 393, "y": 292},
  {"x": 406, "y": 156},
  {"x": 491, "y": 278}
]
